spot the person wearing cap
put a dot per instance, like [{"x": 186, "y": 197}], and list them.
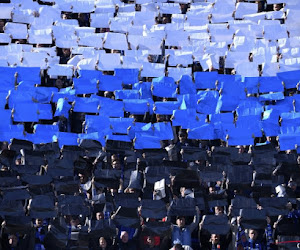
[{"x": 181, "y": 233}]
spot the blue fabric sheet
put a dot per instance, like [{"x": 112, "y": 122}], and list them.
[
  {"x": 186, "y": 85},
  {"x": 290, "y": 78},
  {"x": 164, "y": 87},
  {"x": 85, "y": 86},
  {"x": 127, "y": 76},
  {"x": 206, "y": 80}
]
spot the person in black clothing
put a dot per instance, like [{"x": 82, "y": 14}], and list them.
[{"x": 125, "y": 243}]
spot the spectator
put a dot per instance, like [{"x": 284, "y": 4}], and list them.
[
  {"x": 181, "y": 233},
  {"x": 125, "y": 243}
]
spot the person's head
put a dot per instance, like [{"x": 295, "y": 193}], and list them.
[
  {"x": 277, "y": 6},
  {"x": 166, "y": 20},
  {"x": 151, "y": 58},
  {"x": 66, "y": 16},
  {"x": 13, "y": 240},
  {"x": 81, "y": 16},
  {"x": 18, "y": 160},
  {"x": 177, "y": 247},
  {"x": 82, "y": 178},
  {"x": 292, "y": 185},
  {"x": 211, "y": 190},
  {"x": 183, "y": 8},
  {"x": 99, "y": 216},
  {"x": 39, "y": 222},
  {"x": 180, "y": 221},
  {"x": 114, "y": 157},
  {"x": 109, "y": 94},
  {"x": 150, "y": 241},
  {"x": 241, "y": 149},
  {"x": 160, "y": 118},
  {"x": 116, "y": 164},
  {"x": 260, "y": 6},
  {"x": 219, "y": 210},
  {"x": 102, "y": 242},
  {"x": 182, "y": 136},
  {"x": 74, "y": 221},
  {"x": 289, "y": 206},
  {"x": 138, "y": 7},
  {"x": 2, "y": 24},
  {"x": 59, "y": 83},
  {"x": 252, "y": 234},
  {"x": 4, "y": 168},
  {"x": 66, "y": 52},
  {"x": 215, "y": 239},
  {"x": 124, "y": 237}
]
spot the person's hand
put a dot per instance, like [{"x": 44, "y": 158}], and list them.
[
  {"x": 201, "y": 225},
  {"x": 230, "y": 209},
  {"x": 238, "y": 221}
]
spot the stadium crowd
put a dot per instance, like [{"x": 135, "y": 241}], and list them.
[{"x": 149, "y": 124}]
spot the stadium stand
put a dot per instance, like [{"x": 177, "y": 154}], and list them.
[{"x": 149, "y": 124}]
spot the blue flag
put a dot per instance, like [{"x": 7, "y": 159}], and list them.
[
  {"x": 251, "y": 84},
  {"x": 86, "y": 105},
  {"x": 142, "y": 141},
  {"x": 137, "y": 127},
  {"x": 109, "y": 107},
  {"x": 187, "y": 86},
  {"x": 206, "y": 80},
  {"x": 250, "y": 123},
  {"x": 288, "y": 141},
  {"x": 270, "y": 97},
  {"x": 138, "y": 106},
  {"x": 250, "y": 106},
  {"x": 45, "y": 111},
  {"x": 120, "y": 125},
  {"x": 180, "y": 118},
  {"x": 297, "y": 102},
  {"x": 25, "y": 112},
  {"x": 67, "y": 93},
  {"x": 43, "y": 133},
  {"x": 110, "y": 83},
  {"x": 190, "y": 100},
  {"x": 44, "y": 94},
  {"x": 144, "y": 89},
  {"x": 6, "y": 117},
  {"x": 164, "y": 87},
  {"x": 89, "y": 74},
  {"x": 165, "y": 108},
  {"x": 93, "y": 136},
  {"x": 7, "y": 79},
  {"x": 290, "y": 78},
  {"x": 30, "y": 74},
  {"x": 62, "y": 108},
  {"x": 240, "y": 136},
  {"x": 127, "y": 94},
  {"x": 204, "y": 132},
  {"x": 207, "y": 101},
  {"x": 163, "y": 130},
  {"x": 85, "y": 86},
  {"x": 127, "y": 76},
  {"x": 16, "y": 96},
  {"x": 67, "y": 139},
  {"x": 270, "y": 84}
]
